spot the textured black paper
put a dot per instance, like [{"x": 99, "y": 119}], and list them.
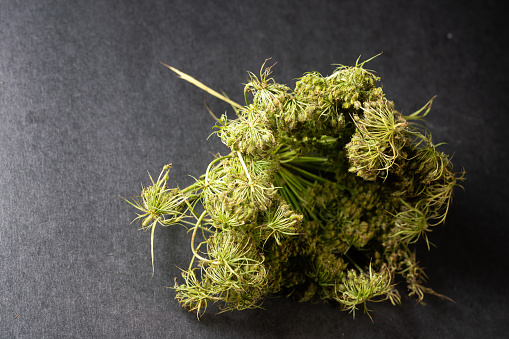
[{"x": 86, "y": 109}]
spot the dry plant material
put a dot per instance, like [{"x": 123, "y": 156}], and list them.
[{"x": 325, "y": 192}]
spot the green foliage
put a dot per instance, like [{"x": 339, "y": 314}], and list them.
[{"x": 324, "y": 193}]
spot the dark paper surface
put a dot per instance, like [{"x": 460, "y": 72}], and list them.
[{"x": 86, "y": 109}]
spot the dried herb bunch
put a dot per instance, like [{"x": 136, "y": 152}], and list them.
[{"x": 325, "y": 191}]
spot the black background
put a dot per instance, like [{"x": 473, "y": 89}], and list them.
[{"x": 86, "y": 109}]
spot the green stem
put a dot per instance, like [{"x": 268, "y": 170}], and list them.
[
  {"x": 306, "y": 173},
  {"x": 152, "y": 231},
  {"x": 210, "y": 166},
  {"x": 198, "y": 223},
  {"x": 292, "y": 181},
  {"x": 284, "y": 191},
  {"x": 354, "y": 263}
]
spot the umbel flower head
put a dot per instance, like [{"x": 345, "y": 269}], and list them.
[{"x": 324, "y": 194}]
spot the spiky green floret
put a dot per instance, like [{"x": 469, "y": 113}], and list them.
[{"x": 357, "y": 289}]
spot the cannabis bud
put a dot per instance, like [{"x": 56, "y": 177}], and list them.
[{"x": 325, "y": 191}]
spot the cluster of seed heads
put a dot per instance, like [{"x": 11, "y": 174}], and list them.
[{"x": 324, "y": 193}]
